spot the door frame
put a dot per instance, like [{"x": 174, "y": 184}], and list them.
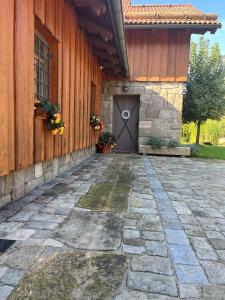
[{"x": 138, "y": 117}]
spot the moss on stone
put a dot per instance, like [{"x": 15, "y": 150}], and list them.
[
  {"x": 112, "y": 193},
  {"x": 106, "y": 197},
  {"x": 73, "y": 275}
]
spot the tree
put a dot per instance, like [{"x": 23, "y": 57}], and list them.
[{"x": 205, "y": 95}]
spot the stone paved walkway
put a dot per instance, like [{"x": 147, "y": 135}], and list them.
[{"x": 172, "y": 234}]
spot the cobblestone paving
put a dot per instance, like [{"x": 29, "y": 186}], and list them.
[{"x": 173, "y": 233}]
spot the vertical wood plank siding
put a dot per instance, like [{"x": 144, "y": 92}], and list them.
[
  {"x": 24, "y": 82},
  {"x": 7, "y": 143},
  {"x": 24, "y": 138},
  {"x": 160, "y": 55}
]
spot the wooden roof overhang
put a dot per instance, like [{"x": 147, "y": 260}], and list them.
[{"x": 102, "y": 24}]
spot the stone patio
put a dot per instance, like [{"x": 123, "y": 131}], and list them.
[{"x": 169, "y": 244}]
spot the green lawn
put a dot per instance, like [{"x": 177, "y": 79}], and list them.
[{"x": 214, "y": 152}]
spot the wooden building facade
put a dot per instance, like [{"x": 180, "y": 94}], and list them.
[
  {"x": 54, "y": 49},
  {"x": 24, "y": 138},
  {"x": 74, "y": 78},
  {"x": 158, "y": 55}
]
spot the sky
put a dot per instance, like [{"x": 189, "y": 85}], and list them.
[{"x": 207, "y": 6}]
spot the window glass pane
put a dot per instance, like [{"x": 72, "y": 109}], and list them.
[
  {"x": 41, "y": 77},
  {"x": 36, "y": 76},
  {"x": 41, "y": 91},
  {"x": 46, "y": 62},
  {"x": 35, "y": 88},
  {"x": 45, "y": 92},
  {"x": 46, "y": 78},
  {"x": 43, "y": 50},
  {"x": 36, "y": 43},
  {"x": 41, "y": 62},
  {"x": 41, "y": 68}
]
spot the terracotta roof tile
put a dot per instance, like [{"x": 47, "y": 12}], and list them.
[
  {"x": 125, "y": 4},
  {"x": 167, "y": 14}
]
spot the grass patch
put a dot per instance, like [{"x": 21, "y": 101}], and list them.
[{"x": 213, "y": 152}]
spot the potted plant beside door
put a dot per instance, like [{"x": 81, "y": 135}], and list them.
[{"x": 107, "y": 141}]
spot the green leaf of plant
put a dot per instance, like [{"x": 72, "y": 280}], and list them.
[{"x": 46, "y": 107}]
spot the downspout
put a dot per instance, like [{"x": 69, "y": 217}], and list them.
[{"x": 117, "y": 12}]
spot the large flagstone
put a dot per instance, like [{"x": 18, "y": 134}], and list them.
[
  {"x": 91, "y": 230},
  {"x": 73, "y": 275}
]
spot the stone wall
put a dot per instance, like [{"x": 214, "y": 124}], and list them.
[
  {"x": 18, "y": 183},
  {"x": 160, "y": 109}
]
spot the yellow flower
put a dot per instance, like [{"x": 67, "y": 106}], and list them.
[
  {"x": 61, "y": 130},
  {"x": 36, "y": 101},
  {"x": 54, "y": 131},
  {"x": 57, "y": 120}
]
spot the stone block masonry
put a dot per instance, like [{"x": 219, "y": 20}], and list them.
[
  {"x": 18, "y": 183},
  {"x": 160, "y": 108},
  {"x": 172, "y": 235}
]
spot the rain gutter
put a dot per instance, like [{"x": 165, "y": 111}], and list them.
[
  {"x": 211, "y": 28},
  {"x": 116, "y": 12}
]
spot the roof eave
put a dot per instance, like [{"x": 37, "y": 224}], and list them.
[{"x": 192, "y": 27}]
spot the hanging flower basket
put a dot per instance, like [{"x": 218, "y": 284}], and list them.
[
  {"x": 96, "y": 122},
  {"x": 51, "y": 112}
]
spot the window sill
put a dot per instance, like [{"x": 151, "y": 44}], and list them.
[
  {"x": 42, "y": 117},
  {"x": 39, "y": 114}
]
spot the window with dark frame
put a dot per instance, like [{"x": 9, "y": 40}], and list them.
[
  {"x": 41, "y": 68},
  {"x": 93, "y": 98}
]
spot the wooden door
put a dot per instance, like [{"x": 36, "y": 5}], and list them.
[{"x": 125, "y": 122}]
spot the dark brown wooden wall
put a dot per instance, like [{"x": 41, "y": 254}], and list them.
[
  {"x": 158, "y": 55},
  {"x": 23, "y": 138}
]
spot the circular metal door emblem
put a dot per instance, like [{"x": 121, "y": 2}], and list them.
[{"x": 125, "y": 114}]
